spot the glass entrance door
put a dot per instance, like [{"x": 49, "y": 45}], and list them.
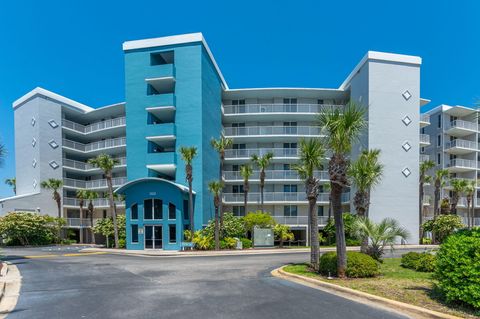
[{"x": 153, "y": 237}]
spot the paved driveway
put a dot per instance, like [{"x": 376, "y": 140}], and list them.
[{"x": 62, "y": 284}]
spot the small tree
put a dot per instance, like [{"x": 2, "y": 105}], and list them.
[
  {"x": 215, "y": 187},
  {"x": 458, "y": 188},
  {"x": 258, "y": 219},
  {"x": 283, "y": 233},
  {"x": 188, "y": 154},
  {"x": 439, "y": 183},
  {"x": 470, "y": 190},
  {"x": 54, "y": 185},
  {"x": 25, "y": 228},
  {"x": 12, "y": 182},
  {"x": 423, "y": 178},
  {"x": 220, "y": 146},
  {"x": 246, "y": 171},
  {"x": 106, "y": 228},
  {"x": 91, "y": 196},
  {"x": 81, "y": 195},
  {"x": 262, "y": 163},
  {"x": 380, "y": 235},
  {"x": 443, "y": 226}
]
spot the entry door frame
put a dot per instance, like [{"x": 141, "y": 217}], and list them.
[{"x": 153, "y": 237}]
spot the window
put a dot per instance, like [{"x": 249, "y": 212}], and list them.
[
  {"x": 289, "y": 188},
  {"x": 186, "y": 215},
  {"x": 290, "y": 211},
  {"x": 439, "y": 122},
  {"x": 239, "y": 105},
  {"x": 134, "y": 212},
  {"x": 152, "y": 209},
  {"x": 422, "y": 130},
  {"x": 238, "y": 211},
  {"x": 239, "y": 146},
  {"x": 439, "y": 140},
  {"x": 320, "y": 210},
  {"x": 290, "y": 127},
  {"x": 134, "y": 229},
  {"x": 161, "y": 58},
  {"x": 438, "y": 159},
  {"x": 287, "y": 167},
  {"x": 235, "y": 168},
  {"x": 290, "y": 105},
  {"x": 237, "y": 189},
  {"x": 172, "y": 211},
  {"x": 172, "y": 234},
  {"x": 320, "y": 102}
]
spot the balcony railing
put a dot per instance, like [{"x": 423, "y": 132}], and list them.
[
  {"x": 425, "y": 118},
  {"x": 299, "y": 220},
  {"x": 466, "y": 125},
  {"x": 80, "y": 222},
  {"x": 115, "y": 142},
  {"x": 247, "y": 153},
  {"x": 98, "y": 183},
  {"x": 274, "y": 175},
  {"x": 459, "y": 162},
  {"x": 426, "y": 200},
  {"x": 97, "y": 203},
  {"x": 279, "y": 197},
  {"x": 277, "y": 108},
  {"x": 476, "y": 221},
  {"x": 424, "y": 157},
  {"x": 272, "y": 130},
  {"x": 461, "y": 144},
  {"x": 424, "y": 139},
  {"x": 97, "y": 126},
  {"x": 87, "y": 167}
]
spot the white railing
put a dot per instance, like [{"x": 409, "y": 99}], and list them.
[
  {"x": 299, "y": 220},
  {"x": 461, "y": 144},
  {"x": 99, "y": 202},
  {"x": 426, "y": 200},
  {"x": 425, "y": 118},
  {"x": 97, "y": 183},
  {"x": 94, "y": 146},
  {"x": 274, "y": 175},
  {"x": 79, "y": 222},
  {"x": 278, "y": 197},
  {"x": 122, "y": 161},
  {"x": 424, "y": 157},
  {"x": 425, "y": 138},
  {"x": 247, "y": 153},
  {"x": 97, "y": 126},
  {"x": 462, "y": 124},
  {"x": 476, "y": 221},
  {"x": 459, "y": 162},
  {"x": 277, "y": 108},
  {"x": 272, "y": 130}
]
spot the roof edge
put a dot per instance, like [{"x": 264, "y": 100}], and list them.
[
  {"x": 53, "y": 96},
  {"x": 128, "y": 184}
]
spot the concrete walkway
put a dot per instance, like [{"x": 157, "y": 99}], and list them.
[{"x": 256, "y": 251}]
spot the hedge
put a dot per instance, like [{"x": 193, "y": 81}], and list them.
[{"x": 359, "y": 265}]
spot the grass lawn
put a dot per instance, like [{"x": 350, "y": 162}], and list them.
[{"x": 397, "y": 283}]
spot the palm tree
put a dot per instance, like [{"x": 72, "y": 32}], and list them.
[
  {"x": 91, "y": 196},
  {"x": 220, "y": 146},
  {"x": 458, "y": 188},
  {"x": 54, "y": 185},
  {"x": 469, "y": 194},
  {"x": 246, "y": 171},
  {"x": 379, "y": 235},
  {"x": 81, "y": 195},
  {"x": 423, "y": 178},
  {"x": 262, "y": 163},
  {"x": 311, "y": 154},
  {"x": 439, "y": 183},
  {"x": 343, "y": 127},
  {"x": 106, "y": 163},
  {"x": 12, "y": 182},
  {"x": 215, "y": 187},
  {"x": 188, "y": 154},
  {"x": 365, "y": 172}
]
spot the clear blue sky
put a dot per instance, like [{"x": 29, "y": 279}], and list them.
[{"x": 74, "y": 47}]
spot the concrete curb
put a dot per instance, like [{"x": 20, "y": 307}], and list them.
[
  {"x": 362, "y": 297},
  {"x": 10, "y": 289}
]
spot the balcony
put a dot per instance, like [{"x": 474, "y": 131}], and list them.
[
  {"x": 299, "y": 220},
  {"x": 461, "y": 128},
  {"x": 426, "y": 200},
  {"x": 95, "y": 127},
  {"x": 99, "y": 146},
  {"x": 158, "y": 100},
  {"x": 84, "y": 167},
  {"x": 79, "y": 222},
  {"x": 93, "y": 184},
  {"x": 459, "y": 165},
  {"x": 97, "y": 203},
  {"x": 424, "y": 120},
  {"x": 162, "y": 162},
  {"x": 460, "y": 146},
  {"x": 476, "y": 221},
  {"x": 246, "y": 154},
  {"x": 424, "y": 139},
  {"x": 272, "y": 176},
  {"x": 161, "y": 134},
  {"x": 424, "y": 157},
  {"x": 279, "y": 197},
  {"x": 281, "y": 111},
  {"x": 269, "y": 133}
]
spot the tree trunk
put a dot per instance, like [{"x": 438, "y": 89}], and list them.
[
  {"x": 80, "y": 232},
  {"x": 314, "y": 244},
  {"x": 339, "y": 230},
  {"x": 58, "y": 199},
  {"x": 468, "y": 212},
  {"x": 262, "y": 185},
  {"x": 436, "y": 203},
  {"x": 112, "y": 209},
  {"x": 420, "y": 212},
  {"x": 91, "y": 209},
  {"x": 217, "y": 232},
  {"x": 220, "y": 205},
  {"x": 190, "y": 208},
  {"x": 245, "y": 198},
  {"x": 281, "y": 241}
]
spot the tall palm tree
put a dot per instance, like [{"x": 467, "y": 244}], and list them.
[
  {"x": 188, "y": 154},
  {"x": 262, "y": 163},
  {"x": 365, "y": 172},
  {"x": 469, "y": 194},
  {"x": 91, "y": 196},
  {"x": 215, "y": 187},
  {"x": 438, "y": 183},
  {"x": 12, "y": 182},
  {"x": 81, "y": 195},
  {"x": 343, "y": 127},
  {"x": 312, "y": 153},
  {"x": 458, "y": 188},
  {"x": 246, "y": 171},
  {"x": 54, "y": 185},
  {"x": 423, "y": 178},
  {"x": 220, "y": 146},
  {"x": 106, "y": 163}
]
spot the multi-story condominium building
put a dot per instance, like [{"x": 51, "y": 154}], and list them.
[
  {"x": 454, "y": 146},
  {"x": 177, "y": 96}
]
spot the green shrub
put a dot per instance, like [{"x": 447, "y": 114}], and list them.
[
  {"x": 202, "y": 242},
  {"x": 228, "y": 243},
  {"x": 423, "y": 262},
  {"x": 409, "y": 260},
  {"x": 359, "y": 265},
  {"x": 348, "y": 222},
  {"x": 246, "y": 243},
  {"x": 443, "y": 226},
  {"x": 104, "y": 227},
  {"x": 122, "y": 243},
  {"x": 232, "y": 227},
  {"x": 458, "y": 267},
  {"x": 352, "y": 242},
  {"x": 259, "y": 219},
  {"x": 426, "y": 241}
]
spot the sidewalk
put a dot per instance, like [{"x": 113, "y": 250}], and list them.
[{"x": 256, "y": 251}]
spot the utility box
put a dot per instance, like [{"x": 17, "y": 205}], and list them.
[
  {"x": 239, "y": 244},
  {"x": 263, "y": 237}
]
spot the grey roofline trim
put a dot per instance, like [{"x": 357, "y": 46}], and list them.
[
  {"x": 122, "y": 188},
  {"x": 172, "y": 40},
  {"x": 17, "y": 197}
]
